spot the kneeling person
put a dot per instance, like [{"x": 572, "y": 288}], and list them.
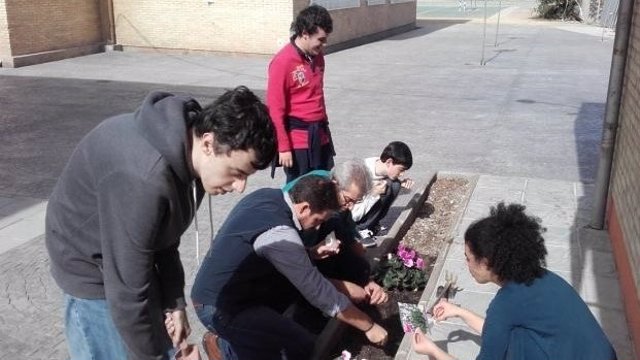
[{"x": 257, "y": 266}]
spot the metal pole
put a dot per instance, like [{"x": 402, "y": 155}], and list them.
[
  {"x": 614, "y": 94},
  {"x": 498, "y": 25},
  {"x": 484, "y": 33}
]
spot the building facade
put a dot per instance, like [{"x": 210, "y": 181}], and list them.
[
  {"x": 35, "y": 32},
  {"x": 623, "y": 218}
]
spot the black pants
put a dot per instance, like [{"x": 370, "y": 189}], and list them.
[
  {"x": 380, "y": 209},
  {"x": 301, "y": 162}
]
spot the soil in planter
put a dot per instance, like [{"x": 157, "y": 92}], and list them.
[{"x": 432, "y": 227}]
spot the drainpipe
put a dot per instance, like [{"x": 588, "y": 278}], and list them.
[
  {"x": 111, "y": 36},
  {"x": 611, "y": 116}
]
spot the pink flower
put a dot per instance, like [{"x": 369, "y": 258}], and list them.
[
  {"x": 407, "y": 328},
  {"x": 404, "y": 256},
  {"x": 420, "y": 263},
  {"x": 408, "y": 262},
  {"x": 411, "y": 254}
]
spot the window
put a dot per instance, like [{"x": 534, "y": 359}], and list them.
[{"x": 337, "y": 4}]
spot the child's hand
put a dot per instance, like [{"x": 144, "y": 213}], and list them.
[
  {"x": 422, "y": 344},
  {"x": 379, "y": 187},
  {"x": 407, "y": 183}
]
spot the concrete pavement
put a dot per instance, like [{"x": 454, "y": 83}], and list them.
[
  {"x": 534, "y": 111},
  {"x": 580, "y": 255}
]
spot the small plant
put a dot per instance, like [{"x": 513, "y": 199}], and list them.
[
  {"x": 559, "y": 9},
  {"x": 403, "y": 270}
]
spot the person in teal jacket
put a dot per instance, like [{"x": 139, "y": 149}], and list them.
[{"x": 536, "y": 315}]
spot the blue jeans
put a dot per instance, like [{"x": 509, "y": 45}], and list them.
[
  {"x": 205, "y": 314},
  {"x": 90, "y": 331},
  {"x": 258, "y": 332}
]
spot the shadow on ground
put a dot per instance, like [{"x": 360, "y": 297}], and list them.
[{"x": 44, "y": 118}]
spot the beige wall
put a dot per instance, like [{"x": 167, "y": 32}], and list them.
[
  {"x": 5, "y": 48},
  {"x": 219, "y": 25},
  {"x": 247, "y": 26},
  {"x": 47, "y": 30}
]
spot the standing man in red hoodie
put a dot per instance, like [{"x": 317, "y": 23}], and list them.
[{"x": 295, "y": 96}]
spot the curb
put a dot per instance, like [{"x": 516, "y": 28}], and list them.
[{"x": 404, "y": 350}]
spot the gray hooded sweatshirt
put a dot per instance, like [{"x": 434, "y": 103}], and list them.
[{"x": 116, "y": 214}]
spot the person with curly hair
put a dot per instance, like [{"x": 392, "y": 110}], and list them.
[{"x": 535, "y": 314}]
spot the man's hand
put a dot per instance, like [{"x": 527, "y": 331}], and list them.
[
  {"x": 377, "y": 335},
  {"x": 323, "y": 251},
  {"x": 407, "y": 183},
  {"x": 177, "y": 326},
  {"x": 286, "y": 159},
  {"x": 376, "y": 294}
]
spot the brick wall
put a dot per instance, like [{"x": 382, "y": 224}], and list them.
[
  {"x": 626, "y": 167},
  {"x": 240, "y": 25},
  {"x": 36, "y": 28},
  {"x": 624, "y": 210}
]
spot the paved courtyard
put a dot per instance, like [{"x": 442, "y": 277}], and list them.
[{"x": 534, "y": 111}]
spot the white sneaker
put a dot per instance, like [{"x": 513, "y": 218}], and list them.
[{"x": 365, "y": 233}]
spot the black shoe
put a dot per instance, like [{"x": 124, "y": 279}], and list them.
[
  {"x": 368, "y": 242},
  {"x": 376, "y": 229}
]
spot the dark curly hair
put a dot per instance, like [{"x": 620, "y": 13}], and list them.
[
  {"x": 240, "y": 121},
  {"x": 310, "y": 19},
  {"x": 512, "y": 243}
]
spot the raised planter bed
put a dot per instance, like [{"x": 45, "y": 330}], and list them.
[{"x": 426, "y": 224}]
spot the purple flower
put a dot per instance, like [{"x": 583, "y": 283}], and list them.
[
  {"x": 403, "y": 256},
  {"x": 420, "y": 263},
  {"x": 408, "y": 262}
]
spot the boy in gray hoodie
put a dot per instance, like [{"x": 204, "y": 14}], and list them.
[{"x": 130, "y": 189}]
